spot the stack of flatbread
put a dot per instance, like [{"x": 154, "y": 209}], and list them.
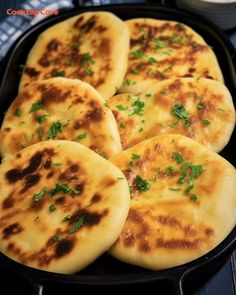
[{"x": 111, "y": 145}]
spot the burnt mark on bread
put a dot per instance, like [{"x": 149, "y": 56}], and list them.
[
  {"x": 16, "y": 174},
  {"x": 177, "y": 243},
  {"x": 96, "y": 198},
  {"x": 30, "y": 180},
  {"x": 8, "y": 202},
  {"x": 12, "y": 229},
  {"x": 64, "y": 247},
  {"x": 53, "y": 45},
  {"x": 52, "y": 94},
  {"x": 31, "y": 72}
]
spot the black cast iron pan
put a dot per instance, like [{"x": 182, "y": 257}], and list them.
[{"x": 107, "y": 274}]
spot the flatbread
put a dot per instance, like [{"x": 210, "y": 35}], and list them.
[
  {"x": 60, "y": 108},
  {"x": 162, "y": 49},
  {"x": 201, "y": 109},
  {"x": 92, "y": 46},
  {"x": 56, "y": 212},
  {"x": 183, "y": 202}
]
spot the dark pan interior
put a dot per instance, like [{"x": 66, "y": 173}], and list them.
[{"x": 107, "y": 270}]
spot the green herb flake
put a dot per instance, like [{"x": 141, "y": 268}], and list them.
[
  {"x": 174, "y": 189},
  {"x": 160, "y": 74},
  {"x": 170, "y": 68},
  {"x": 151, "y": 60},
  {"x": 86, "y": 59},
  {"x": 74, "y": 47},
  {"x": 121, "y": 108},
  {"x": 120, "y": 178},
  {"x": 148, "y": 95},
  {"x": 138, "y": 107},
  {"x": 67, "y": 217},
  {"x": 57, "y": 164},
  {"x": 157, "y": 43},
  {"x": 41, "y": 118},
  {"x": 80, "y": 137},
  {"x": 106, "y": 105},
  {"x": 36, "y": 106},
  {"x": 26, "y": 137},
  {"x": 173, "y": 124},
  {"x": 164, "y": 91},
  {"x": 141, "y": 184},
  {"x": 134, "y": 71},
  {"x": 193, "y": 198},
  {"x": 64, "y": 188},
  {"x": 135, "y": 157},
  {"x": 55, "y": 128},
  {"x": 130, "y": 164},
  {"x": 59, "y": 74},
  {"x": 178, "y": 157},
  {"x": 222, "y": 110},
  {"x": 52, "y": 208},
  {"x": 129, "y": 82},
  {"x": 169, "y": 170},
  {"x": 89, "y": 72},
  {"x": 200, "y": 105},
  {"x": 74, "y": 228},
  {"x": 18, "y": 112},
  {"x": 21, "y": 66},
  {"x": 122, "y": 125},
  {"x": 57, "y": 237},
  {"x": 137, "y": 54},
  {"x": 206, "y": 122},
  {"x": 178, "y": 110},
  {"x": 140, "y": 129},
  {"x": 38, "y": 197}
]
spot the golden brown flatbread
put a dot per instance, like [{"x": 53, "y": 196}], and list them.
[
  {"x": 162, "y": 49},
  {"x": 201, "y": 109},
  {"x": 92, "y": 47},
  {"x": 183, "y": 202},
  {"x": 60, "y": 108},
  {"x": 61, "y": 206}
]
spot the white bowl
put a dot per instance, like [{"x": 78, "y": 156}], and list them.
[{"x": 221, "y": 12}]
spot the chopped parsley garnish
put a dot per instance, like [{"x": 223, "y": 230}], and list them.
[
  {"x": 129, "y": 82},
  {"x": 173, "y": 124},
  {"x": 137, "y": 54},
  {"x": 37, "y": 197},
  {"x": 168, "y": 69},
  {"x": 160, "y": 74},
  {"x": 26, "y": 137},
  {"x": 174, "y": 189},
  {"x": 178, "y": 157},
  {"x": 200, "y": 105},
  {"x": 122, "y": 125},
  {"x": 86, "y": 59},
  {"x": 206, "y": 122},
  {"x": 67, "y": 217},
  {"x": 74, "y": 47},
  {"x": 164, "y": 91},
  {"x": 57, "y": 164},
  {"x": 36, "y": 106},
  {"x": 134, "y": 71},
  {"x": 193, "y": 198},
  {"x": 135, "y": 157},
  {"x": 158, "y": 44},
  {"x": 64, "y": 188},
  {"x": 18, "y": 112},
  {"x": 80, "y": 137},
  {"x": 41, "y": 118},
  {"x": 148, "y": 94},
  {"x": 106, "y": 105},
  {"x": 141, "y": 184},
  {"x": 138, "y": 107},
  {"x": 130, "y": 164},
  {"x": 150, "y": 72},
  {"x": 55, "y": 128},
  {"x": 140, "y": 129},
  {"x": 177, "y": 39},
  {"x": 120, "y": 178},
  {"x": 178, "y": 110},
  {"x": 121, "y": 108},
  {"x": 74, "y": 228},
  {"x": 89, "y": 72},
  {"x": 169, "y": 170},
  {"x": 60, "y": 74},
  {"x": 70, "y": 63},
  {"x": 52, "y": 208},
  {"x": 222, "y": 110},
  {"x": 21, "y": 66},
  {"x": 57, "y": 237},
  {"x": 151, "y": 60}
]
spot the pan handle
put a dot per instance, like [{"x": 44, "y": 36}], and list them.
[{"x": 36, "y": 288}]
